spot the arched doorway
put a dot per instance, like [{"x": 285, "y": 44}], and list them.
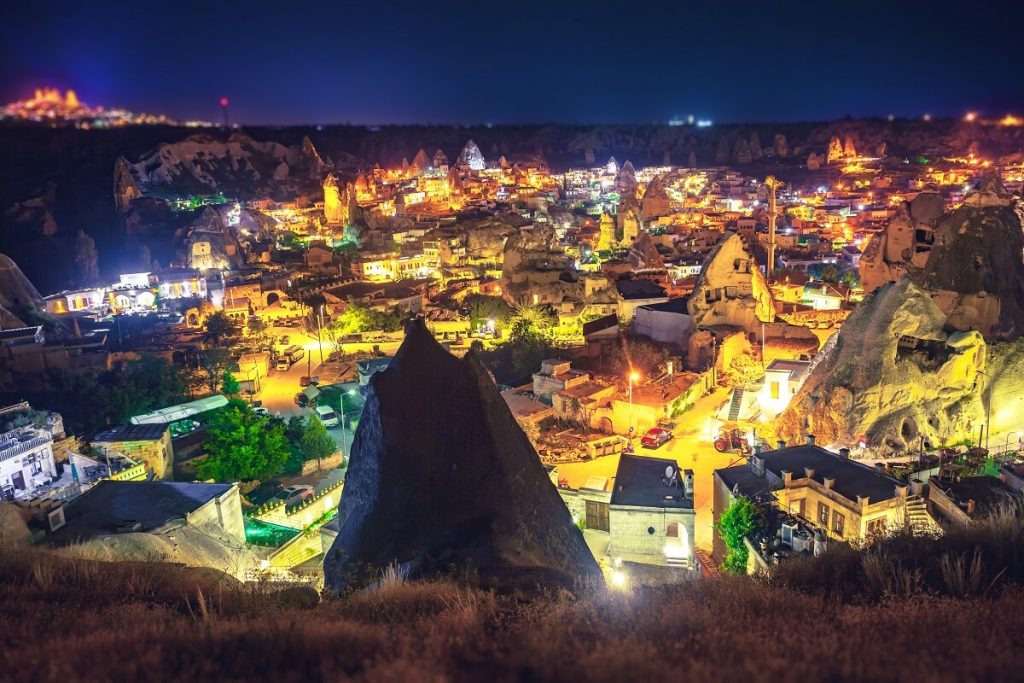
[
  {"x": 273, "y": 298},
  {"x": 606, "y": 426},
  {"x": 677, "y": 543}
]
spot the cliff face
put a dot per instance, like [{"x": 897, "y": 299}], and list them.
[
  {"x": 442, "y": 477},
  {"x": 968, "y": 259},
  {"x": 731, "y": 290},
  {"x": 894, "y": 373}
]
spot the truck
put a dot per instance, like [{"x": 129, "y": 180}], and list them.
[{"x": 289, "y": 357}]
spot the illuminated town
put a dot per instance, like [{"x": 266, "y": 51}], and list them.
[{"x": 512, "y": 383}]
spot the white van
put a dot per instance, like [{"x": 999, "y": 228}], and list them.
[{"x": 328, "y": 416}]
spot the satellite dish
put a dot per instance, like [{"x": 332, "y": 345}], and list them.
[{"x": 669, "y": 471}]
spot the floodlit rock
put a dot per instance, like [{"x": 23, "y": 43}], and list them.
[
  {"x": 125, "y": 187},
  {"x": 625, "y": 182},
  {"x": 894, "y": 373},
  {"x": 606, "y": 239},
  {"x": 421, "y": 162},
  {"x": 656, "y": 201},
  {"x": 442, "y": 478},
  {"x": 835, "y": 151},
  {"x": 731, "y": 290},
  {"x": 471, "y": 157},
  {"x": 968, "y": 259},
  {"x": 535, "y": 269},
  {"x": 813, "y": 162},
  {"x": 849, "y": 149},
  {"x": 210, "y": 244}
]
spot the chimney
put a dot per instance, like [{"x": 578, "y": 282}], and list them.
[
  {"x": 863, "y": 501},
  {"x": 830, "y": 483},
  {"x": 809, "y": 472},
  {"x": 810, "y": 439},
  {"x": 844, "y": 453},
  {"x": 970, "y": 506},
  {"x": 787, "y": 478},
  {"x": 781, "y": 443},
  {"x": 688, "y": 483}
]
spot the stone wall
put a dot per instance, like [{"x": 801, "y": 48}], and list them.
[{"x": 631, "y": 530}]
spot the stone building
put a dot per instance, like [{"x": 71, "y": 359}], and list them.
[{"x": 147, "y": 443}]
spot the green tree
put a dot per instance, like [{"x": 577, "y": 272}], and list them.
[
  {"x": 257, "y": 328},
  {"x": 483, "y": 307},
  {"x": 243, "y": 446},
  {"x": 633, "y": 354},
  {"x": 228, "y": 384},
  {"x": 739, "y": 520},
  {"x": 219, "y": 326},
  {"x": 316, "y": 443},
  {"x": 214, "y": 363}
]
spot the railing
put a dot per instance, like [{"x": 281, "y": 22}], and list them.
[{"x": 8, "y": 452}]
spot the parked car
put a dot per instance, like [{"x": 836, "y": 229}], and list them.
[
  {"x": 328, "y": 416},
  {"x": 655, "y": 438},
  {"x": 301, "y": 400},
  {"x": 304, "y": 381},
  {"x": 293, "y": 495},
  {"x": 261, "y": 411}
]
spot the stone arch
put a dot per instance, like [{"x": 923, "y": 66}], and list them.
[
  {"x": 606, "y": 426},
  {"x": 273, "y": 298}
]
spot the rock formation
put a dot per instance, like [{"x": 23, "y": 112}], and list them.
[
  {"x": 894, "y": 373},
  {"x": 338, "y": 202},
  {"x": 421, "y": 162},
  {"x": 210, "y": 244},
  {"x": 849, "y": 149},
  {"x": 628, "y": 222},
  {"x": 440, "y": 160},
  {"x": 968, "y": 259},
  {"x": 656, "y": 201},
  {"x": 535, "y": 268},
  {"x": 813, "y": 162},
  {"x": 835, "y": 151},
  {"x": 643, "y": 253},
  {"x": 442, "y": 478},
  {"x": 741, "y": 152},
  {"x": 781, "y": 145},
  {"x": 16, "y": 294},
  {"x": 625, "y": 182},
  {"x": 606, "y": 240},
  {"x": 731, "y": 290},
  {"x": 471, "y": 157},
  {"x": 125, "y": 187}
]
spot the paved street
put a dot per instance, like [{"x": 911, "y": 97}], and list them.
[{"x": 692, "y": 448}]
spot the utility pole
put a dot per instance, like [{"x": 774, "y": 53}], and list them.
[{"x": 771, "y": 183}]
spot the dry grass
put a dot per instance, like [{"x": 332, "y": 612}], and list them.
[
  {"x": 966, "y": 562},
  {"x": 64, "y": 619}
]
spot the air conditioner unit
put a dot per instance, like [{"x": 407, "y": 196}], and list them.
[{"x": 801, "y": 542}]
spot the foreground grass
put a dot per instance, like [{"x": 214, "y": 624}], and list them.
[{"x": 63, "y": 619}]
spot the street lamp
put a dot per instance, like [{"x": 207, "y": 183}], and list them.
[
  {"x": 633, "y": 377},
  {"x": 341, "y": 399},
  {"x": 988, "y": 409}
]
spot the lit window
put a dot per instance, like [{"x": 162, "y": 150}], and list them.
[
  {"x": 838, "y": 523},
  {"x": 823, "y": 515}
]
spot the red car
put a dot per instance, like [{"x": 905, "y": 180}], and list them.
[{"x": 656, "y": 437}]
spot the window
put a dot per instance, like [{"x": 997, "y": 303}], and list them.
[
  {"x": 797, "y": 507},
  {"x": 673, "y": 530},
  {"x": 823, "y": 515},
  {"x": 838, "y": 522},
  {"x": 876, "y": 527},
  {"x": 597, "y": 515},
  {"x": 774, "y": 389}
]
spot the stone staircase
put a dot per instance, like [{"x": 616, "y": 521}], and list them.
[
  {"x": 736, "y": 404},
  {"x": 918, "y": 517}
]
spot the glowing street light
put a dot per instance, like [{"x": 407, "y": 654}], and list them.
[{"x": 633, "y": 378}]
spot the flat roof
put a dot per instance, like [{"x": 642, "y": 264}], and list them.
[
  {"x": 641, "y": 481},
  {"x": 677, "y": 305},
  {"x": 152, "y": 504},
  {"x": 852, "y": 479},
  {"x": 143, "y": 432}
]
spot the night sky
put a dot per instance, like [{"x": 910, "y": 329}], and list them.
[{"x": 522, "y": 61}]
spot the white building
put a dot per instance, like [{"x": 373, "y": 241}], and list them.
[{"x": 26, "y": 461}]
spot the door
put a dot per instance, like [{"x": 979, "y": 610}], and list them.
[{"x": 18, "y": 479}]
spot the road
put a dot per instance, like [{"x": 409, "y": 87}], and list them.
[
  {"x": 691, "y": 447},
  {"x": 278, "y": 388}
]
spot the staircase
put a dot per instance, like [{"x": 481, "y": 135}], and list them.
[
  {"x": 736, "y": 404},
  {"x": 918, "y": 517}
]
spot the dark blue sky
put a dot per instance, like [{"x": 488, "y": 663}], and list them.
[{"x": 390, "y": 61}]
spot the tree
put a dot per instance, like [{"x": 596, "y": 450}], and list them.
[
  {"x": 243, "y": 446},
  {"x": 219, "y": 326},
  {"x": 214, "y": 362},
  {"x": 257, "y": 328},
  {"x": 739, "y": 520},
  {"x": 316, "y": 443},
  {"x": 483, "y": 307},
  {"x": 228, "y": 384},
  {"x": 86, "y": 258},
  {"x": 637, "y": 355}
]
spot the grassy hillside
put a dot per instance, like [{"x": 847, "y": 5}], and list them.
[{"x": 64, "y": 619}]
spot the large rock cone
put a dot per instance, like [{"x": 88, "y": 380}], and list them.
[{"x": 442, "y": 478}]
